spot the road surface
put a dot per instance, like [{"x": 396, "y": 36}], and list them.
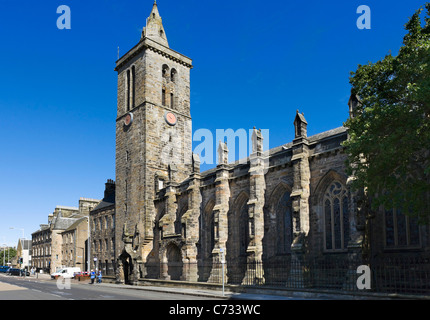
[{"x": 18, "y": 288}]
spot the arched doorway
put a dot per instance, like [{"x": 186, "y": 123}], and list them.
[
  {"x": 174, "y": 261},
  {"x": 127, "y": 266}
]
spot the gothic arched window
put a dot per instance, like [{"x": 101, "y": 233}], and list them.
[
  {"x": 130, "y": 88},
  {"x": 336, "y": 217},
  {"x": 283, "y": 224},
  {"x": 173, "y": 75},
  {"x": 208, "y": 235},
  {"x": 180, "y": 228},
  {"x": 243, "y": 228},
  {"x": 165, "y": 71},
  {"x": 400, "y": 230},
  {"x": 133, "y": 86},
  {"x": 127, "y": 91}
]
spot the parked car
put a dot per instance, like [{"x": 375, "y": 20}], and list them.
[
  {"x": 4, "y": 269},
  {"x": 17, "y": 272}
]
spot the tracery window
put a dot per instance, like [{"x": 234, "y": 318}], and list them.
[
  {"x": 336, "y": 217},
  {"x": 208, "y": 230},
  {"x": 243, "y": 228},
  {"x": 284, "y": 224},
  {"x": 400, "y": 230}
]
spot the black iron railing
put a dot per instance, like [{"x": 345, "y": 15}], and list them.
[
  {"x": 401, "y": 275},
  {"x": 408, "y": 276},
  {"x": 108, "y": 269}
]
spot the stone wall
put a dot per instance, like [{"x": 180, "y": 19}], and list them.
[{"x": 224, "y": 220}]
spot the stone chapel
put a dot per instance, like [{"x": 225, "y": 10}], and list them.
[{"x": 174, "y": 222}]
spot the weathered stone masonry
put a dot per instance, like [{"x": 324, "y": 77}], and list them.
[{"x": 174, "y": 222}]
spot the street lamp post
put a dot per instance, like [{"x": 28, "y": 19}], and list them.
[
  {"x": 4, "y": 253},
  {"x": 22, "y": 245},
  {"x": 5, "y": 246},
  {"x": 81, "y": 259}
]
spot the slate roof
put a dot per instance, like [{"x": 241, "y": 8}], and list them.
[
  {"x": 76, "y": 223},
  {"x": 62, "y": 223},
  {"x": 103, "y": 204},
  {"x": 25, "y": 244}
]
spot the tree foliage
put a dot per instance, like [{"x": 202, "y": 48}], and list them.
[
  {"x": 389, "y": 130},
  {"x": 4, "y": 255}
]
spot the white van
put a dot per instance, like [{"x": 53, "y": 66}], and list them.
[{"x": 66, "y": 273}]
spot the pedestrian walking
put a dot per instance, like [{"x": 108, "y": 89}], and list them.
[{"x": 92, "y": 276}]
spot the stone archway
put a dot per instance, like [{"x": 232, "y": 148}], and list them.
[
  {"x": 174, "y": 261},
  {"x": 126, "y": 266},
  {"x": 129, "y": 261}
]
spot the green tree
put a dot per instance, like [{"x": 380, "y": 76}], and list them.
[
  {"x": 4, "y": 255},
  {"x": 389, "y": 127}
]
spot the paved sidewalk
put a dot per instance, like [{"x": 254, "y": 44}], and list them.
[
  {"x": 9, "y": 287},
  {"x": 197, "y": 292},
  {"x": 237, "y": 296},
  {"x": 290, "y": 295}
]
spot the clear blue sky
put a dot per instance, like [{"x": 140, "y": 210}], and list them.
[{"x": 255, "y": 63}]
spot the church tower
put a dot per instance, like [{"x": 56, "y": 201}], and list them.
[{"x": 153, "y": 137}]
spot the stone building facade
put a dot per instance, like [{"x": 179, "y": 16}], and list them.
[
  {"x": 74, "y": 244},
  {"x": 175, "y": 222},
  {"x": 102, "y": 238},
  {"x": 41, "y": 244},
  {"x": 47, "y": 242}
]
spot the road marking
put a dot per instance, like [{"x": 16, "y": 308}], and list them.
[{"x": 61, "y": 293}]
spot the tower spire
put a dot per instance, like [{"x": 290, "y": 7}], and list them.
[{"x": 154, "y": 29}]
